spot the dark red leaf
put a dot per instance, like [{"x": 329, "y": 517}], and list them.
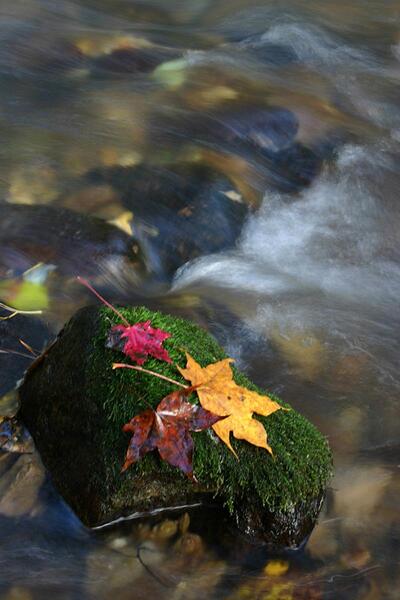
[
  {"x": 140, "y": 426},
  {"x": 175, "y": 444},
  {"x": 167, "y": 429},
  {"x": 139, "y": 341}
]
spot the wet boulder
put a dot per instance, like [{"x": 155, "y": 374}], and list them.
[
  {"x": 74, "y": 405},
  {"x": 272, "y": 54},
  {"x": 265, "y": 137},
  {"x": 240, "y": 130},
  {"x": 254, "y": 127},
  {"x": 292, "y": 168},
  {"x": 74, "y": 243},
  {"x": 180, "y": 212}
]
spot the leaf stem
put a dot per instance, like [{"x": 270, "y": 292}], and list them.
[
  {"x": 137, "y": 368},
  {"x": 100, "y": 297}
]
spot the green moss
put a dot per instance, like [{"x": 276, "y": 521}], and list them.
[{"x": 302, "y": 461}]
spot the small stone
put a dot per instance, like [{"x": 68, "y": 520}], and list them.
[
  {"x": 357, "y": 559},
  {"x": 184, "y": 523},
  {"x": 303, "y": 350},
  {"x": 18, "y": 593},
  {"x": 97, "y": 200},
  {"x": 189, "y": 544},
  {"x": 20, "y": 487},
  {"x": 164, "y": 531},
  {"x": 9, "y": 404},
  {"x": 33, "y": 184},
  {"x": 118, "y": 543}
]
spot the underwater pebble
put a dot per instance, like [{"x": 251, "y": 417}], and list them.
[
  {"x": 33, "y": 184},
  {"x": 164, "y": 531},
  {"x": 20, "y": 487}
]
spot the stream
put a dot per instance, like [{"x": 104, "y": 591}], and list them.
[{"x": 236, "y": 163}]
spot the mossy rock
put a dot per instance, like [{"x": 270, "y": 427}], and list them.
[{"x": 74, "y": 405}]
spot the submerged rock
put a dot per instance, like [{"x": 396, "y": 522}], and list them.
[
  {"x": 180, "y": 212},
  {"x": 123, "y": 61},
  {"x": 74, "y": 405},
  {"x": 36, "y": 53},
  {"x": 265, "y": 137},
  {"x": 293, "y": 168},
  {"x": 74, "y": 243},
  {"x": 231, "y": 129},
  {"x": 272, "y": 54}
]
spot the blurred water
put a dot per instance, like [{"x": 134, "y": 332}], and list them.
[{"x": 306, "y": 300}]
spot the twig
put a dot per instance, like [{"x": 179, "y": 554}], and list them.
[
  {"x": 14, "y": 312},
  {"x": 8, "y": 351},
  {"x": 137, "y": 368},
  {"x": 104, "y": 301},
  {"x": 39, "y": 359},
  {"x": 29, "y": 348},
  {"x": 149, "y": 570}
]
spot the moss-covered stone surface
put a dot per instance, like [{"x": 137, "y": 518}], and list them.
[{"x": 75, "y": 405}]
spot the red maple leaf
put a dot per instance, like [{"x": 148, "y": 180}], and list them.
[
  {"x": 167, "y": 429},
  {"x": 139, "y": 341}
]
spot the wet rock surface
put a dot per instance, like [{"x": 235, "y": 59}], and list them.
[
  {"x": 58, "y": 236},
  {"x": 266, "y": 137},
  {"x": 180, "y": 212},
  {"x": 89, "y": 434}
]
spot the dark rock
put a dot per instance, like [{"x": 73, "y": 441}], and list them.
[
  {"x": 264, "y": 136},
  {"x": 180, "y": 212},
  {"x": 133, "y": 60},
  {"x": 272, "y": 54},
  {"x": 240, "y": 131},
  {"x": 74, "y": 243},
  {"x": 271, "y": 127},
  {"x": 74, "y": 405},
  {"x": 293, "y": 168},
  {"x": 39, "y": 55}
]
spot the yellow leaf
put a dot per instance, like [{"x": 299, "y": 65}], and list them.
[
  {"x": 123, "y": 222},
  {"x": 24, "y": 295},
  {"x": 276, "y": 568},
  {"x": 219, "y": 394}
]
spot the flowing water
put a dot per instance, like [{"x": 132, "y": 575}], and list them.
[{"x": 255, "y": 145}]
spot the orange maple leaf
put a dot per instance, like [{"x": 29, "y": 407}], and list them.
[{"x": 219, "y": 394}]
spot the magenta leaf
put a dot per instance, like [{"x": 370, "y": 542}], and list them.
[{"x": 139, "y": 341}]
